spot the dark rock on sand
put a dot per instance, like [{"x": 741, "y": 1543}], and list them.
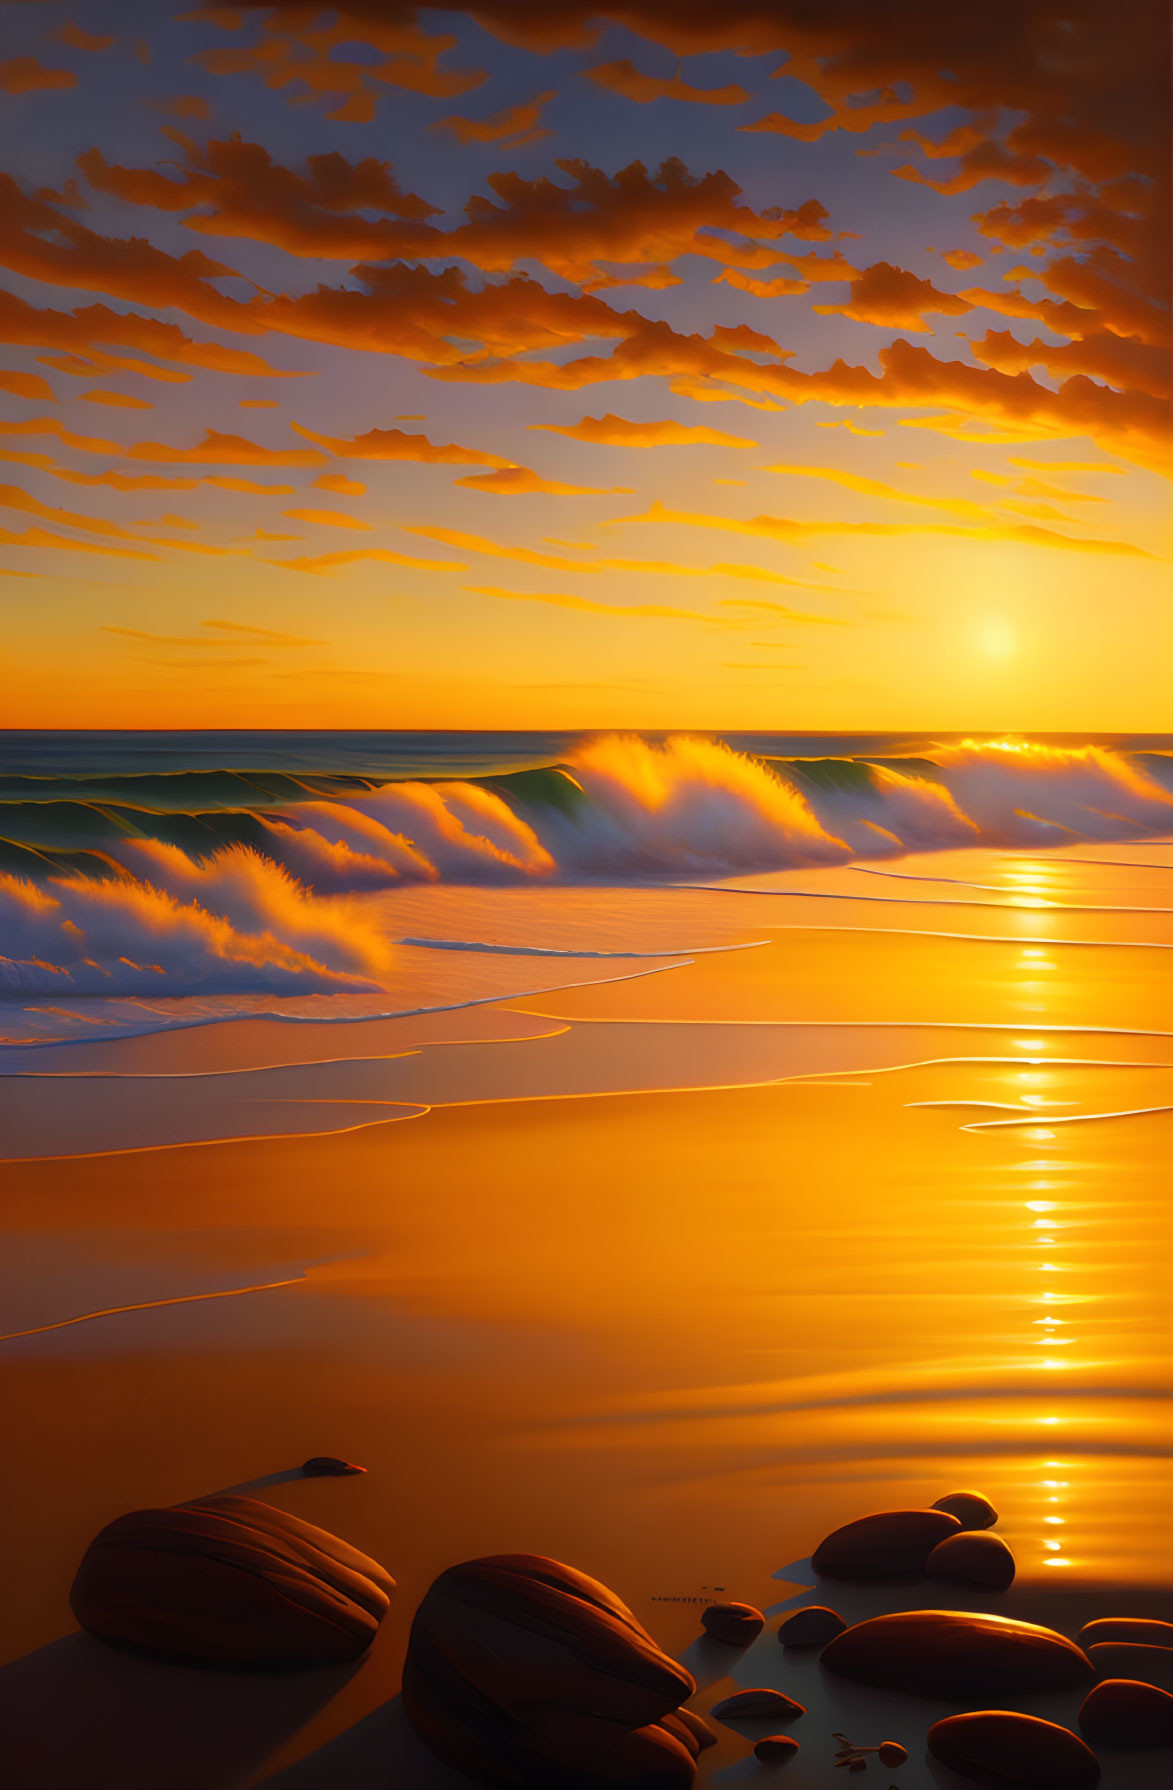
[
  {"x": 1123, "y": 1712},
  {"x": 775, "y": 1749},
  {"x": 972, "y": 1510},
  {"x": 1131, "y": 1659},
  {"x": 738, "y": 1624},
  {"x": 892, "y": 1544},
  {"x": 693, "y": 1725},
  {"x": 755, "y": 1705},
  {"x": 522, "y": 1671},
  {"x": 1147, "y": 1631},
  {"x": 230, "y": 1582},
  {"x": 953, "y": 1653},
  {"x": 975, "y": 1557},
  {"x": 813, "y": 1626},
  {"x": 1020, "y": 1751},
  {"x": 328, "y": 1466}
]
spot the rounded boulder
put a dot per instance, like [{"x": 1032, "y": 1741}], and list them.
[
  {"x": 890, "y": 1544},
  {"x": 735, "y": 1624},
  {"x": 775, "y": 1749},
  {"x": 523, "y": 1671},
  {"x": 1123, "y": 1712},
  {"x": 757, "y": 1705},
  {"x": 1022, "y": 1752},
  {"x": 956, "y": 1654},
  {"x": 1133, "y": 1659},
  {"x": 1145, "y": 1630},
  {"x": 974, "y": 1557},
  {"x": 813, "y": 1626},
  {"x": 230, "y": 1582},
  {"x": 973, "y": 1510}
]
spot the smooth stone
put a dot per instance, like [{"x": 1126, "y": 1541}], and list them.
[
  {"x": 695, "y": 1725},
  {"x": 891, "y": 1544},
  {"x": 775, "y": 1749},
  {"x": 737, "y": 1624},
  {"x": 1020, "y": 1751},
  {"x": 523, "y": 1671},
  {"x": 328, "y": 1466},
  {"x": 1124, "y": 1712},
  {"x": 975, "y": 1557},
  {"x": 813, "y": 1626},
  {"x": 230, "y": 1582},
  {"x": 956, "y": 1654},
  {"x": 1147, "y": 1631},
  {"x": 1132, "y": 1659},
  {"x": 756, "y": 1705},
  {"x": 972, "y": 1510}
]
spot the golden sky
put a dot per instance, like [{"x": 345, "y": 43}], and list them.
[{"x": 754, "y": 366}]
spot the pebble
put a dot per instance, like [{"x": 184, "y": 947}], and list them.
[
  {"x": 230, "y": 1582},
  {"x": 1132, "y": 1659},
  {"x": 1122, "y": 1712},
  {"x": 972, "y": 1510},
  {"x": 956, "y": 1654},
  {"x": 974, "y": 1557},
  {"x": 890, "y": 1544},
  {"x": 775, "y": 1749},
  {"x": 736, "y": 1624},
  {"x": 1021, "y": 1752},
  {"x": 1126, "y": 1628},
  {"x": 812, "y": 1626},
  {"x": 326, "y": 1466},
  {"x": 753, "y": 1705}
]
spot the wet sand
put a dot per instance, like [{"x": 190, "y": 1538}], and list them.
[{"x": 672, "y": 1337}]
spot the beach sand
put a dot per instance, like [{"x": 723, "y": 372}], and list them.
[{"x": 624, "y": 1292}]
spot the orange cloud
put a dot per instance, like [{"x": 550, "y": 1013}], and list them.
[
  {"x": 642, "y": 611},
  {"x": 13, "y": 498},
  {"x": 44, "y": 537},
  {"x": 77, "y": 39},
  {"x": 224, "y": 450},
  {"x": 249, "y": 487},
  {"x": 779, "y": 288},
  {"x": 258, "y": 403},
  {"x": 780, "y": 528},
  {"x": 341, "y": 487},
  {"x": 623, "y": 77},
  {"x": 894, "y": 298},
  {"x": 24, "y": 74},
  {"x": 49, "y": 425},
  {"x": 961, "y": 259},
  {"x": 1121, "y": 361},
  {"x": 184, "y": 105},
  {"x": 519, "y": 481},
  {"x": 116, "y": 400},
  {"x": 396, "y": 444},
  {"x": 851, "y": 481},
  {"x": 27, "y": 385},
  {"x": 616, "y": 431},
  {"x": 328, "y": 519},
  {"x": 451, "y": 537},
  {"x": 244, "y": 193},
  {"x": 516, "y": 122},
  {"x": 298, "y": 55},
  {"x": 332, "y": 562},
  {"x": 24, "y": 323}
]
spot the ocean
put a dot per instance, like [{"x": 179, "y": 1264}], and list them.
[{"x": 649, "y": 1152}]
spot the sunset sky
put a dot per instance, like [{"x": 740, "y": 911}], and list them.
[{"x": 754, "y": 365}]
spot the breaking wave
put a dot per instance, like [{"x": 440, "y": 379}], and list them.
[{"x": 180, "y": 883}]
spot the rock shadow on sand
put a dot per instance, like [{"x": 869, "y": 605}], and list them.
[{"x": 80, "y": 1713}]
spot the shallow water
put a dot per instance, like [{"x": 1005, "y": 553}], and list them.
[{"x": 681, "y": 1260}]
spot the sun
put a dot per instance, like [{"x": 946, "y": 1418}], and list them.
[{"x": 996, "y": 639}]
